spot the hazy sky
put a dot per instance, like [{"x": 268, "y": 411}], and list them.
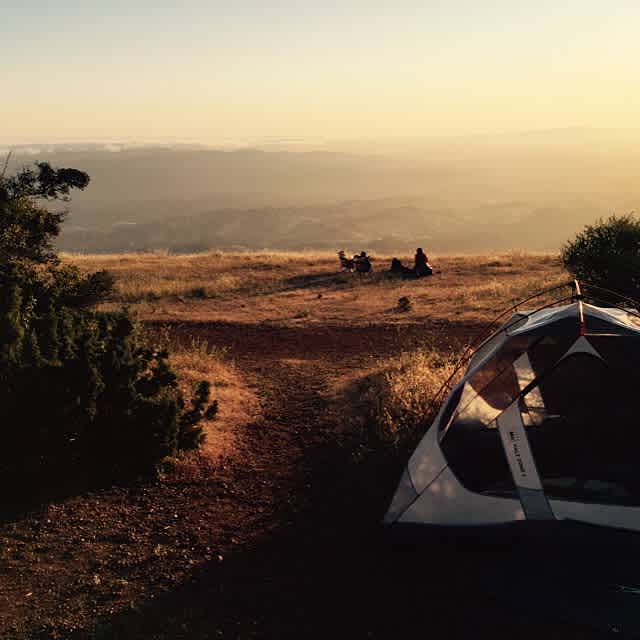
[{"x": 241, "y": 70}]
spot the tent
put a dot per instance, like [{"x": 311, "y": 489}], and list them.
[{"x": 542, "y": 426}]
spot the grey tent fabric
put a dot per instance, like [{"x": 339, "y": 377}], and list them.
[{"x": 543, "y": 425}]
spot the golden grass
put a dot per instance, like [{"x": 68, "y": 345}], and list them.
[
  {"x": 394, "y": 403},
  {"x": 393, "y": 399},
  {"x": 194, "y": 360},
  {"x": 294, "y": 288},
  {"x": 153, "y": 276}
]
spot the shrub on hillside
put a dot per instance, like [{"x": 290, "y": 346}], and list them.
[
  {"x": 77, "y": 387},
  {"x": 395, "y": 404},
  {"x": 607, "y": 254}
]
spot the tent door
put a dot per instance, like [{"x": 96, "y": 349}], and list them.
[{"x": 522, "y": 465}]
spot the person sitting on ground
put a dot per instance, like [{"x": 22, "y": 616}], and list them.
[
  {"x": 363, "y": 263},
  {"x": 421, "y": 264},
  {"x": 347, "y": 264},
  {"x": 397, "y": 268}
]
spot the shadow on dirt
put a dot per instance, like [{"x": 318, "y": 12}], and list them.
[
  {"x": 328, "y": 278},
  {"x": 329, "y": 571},
  {"x": 337, "y": 342},
  {"x": 339, "y": 279},
  {"x": 324, "y": 568},
  {"x": 31, "y": 493},
  {"x": 325, "y": 279}
]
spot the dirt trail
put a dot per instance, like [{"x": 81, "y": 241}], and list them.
[
  {"x": 316, "y": 565},
  {"x": 281, "y": 540}
]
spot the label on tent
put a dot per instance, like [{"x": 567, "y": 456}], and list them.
[
  {"x": 516, "y": 446},
  {"x": 523, "y": 468}
]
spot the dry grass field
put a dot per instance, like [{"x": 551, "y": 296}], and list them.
[
  {"x": 309, "y": 288},
  {"x": 272, "y": 530}
]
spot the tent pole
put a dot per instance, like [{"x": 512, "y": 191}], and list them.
[{"x": 580, "y": 300}]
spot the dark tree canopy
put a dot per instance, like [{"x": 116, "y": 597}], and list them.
[
  {"x": 607, "y": 254},
  {"x": 44, "y": 182},
  {"x": 27, "y": 228},
  {"x": 79, "y": 388}
]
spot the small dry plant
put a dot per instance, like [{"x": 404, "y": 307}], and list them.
[{"x": 395, "y": 404}]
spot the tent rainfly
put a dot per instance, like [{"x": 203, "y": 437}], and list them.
[{"x": 544, "y": 425}]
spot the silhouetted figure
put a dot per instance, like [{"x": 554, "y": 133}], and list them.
[
  {"x": 397, "y": 268},
  {"x": 421, "y": 265},
  {"x": 347, "y": 264},
  {"x": 363, "y": 263}
]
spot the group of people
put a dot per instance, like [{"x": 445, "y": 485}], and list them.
[
  {"x": 361, "y": 263},
  {"x": 421, "y": 266}
]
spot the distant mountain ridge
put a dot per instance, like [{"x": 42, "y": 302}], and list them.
[{"x": 473, "y": 197}]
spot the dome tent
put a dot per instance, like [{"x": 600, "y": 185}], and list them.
[{"x": 542, "y": 426}]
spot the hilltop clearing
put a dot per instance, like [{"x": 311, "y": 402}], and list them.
[
  {"x": 272, "y": 531},
  {"x": 303, "y": 289}
]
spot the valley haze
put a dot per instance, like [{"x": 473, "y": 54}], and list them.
[{"x": 469, "y": 194}]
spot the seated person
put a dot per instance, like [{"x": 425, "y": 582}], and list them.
[
  {"x": 363, "y": 263},
  {"x": 421, "y": 264},
  {"x": 397, "y": 268}
]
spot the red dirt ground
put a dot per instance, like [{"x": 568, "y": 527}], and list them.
[{"x": 280, "y": 540}]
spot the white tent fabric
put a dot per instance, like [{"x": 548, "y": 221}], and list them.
[{"x": 541, "y": 426}]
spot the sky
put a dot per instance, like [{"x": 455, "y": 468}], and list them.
[{"x": 241, "y": 71}]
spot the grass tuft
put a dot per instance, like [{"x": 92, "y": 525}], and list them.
[{"x": 393, "y": 405}]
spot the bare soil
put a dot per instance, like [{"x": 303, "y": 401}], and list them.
[{"x": 281, "y": 538}]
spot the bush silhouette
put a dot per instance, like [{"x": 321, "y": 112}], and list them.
[
  {"x": 80, "y": 390},
  {"x": 607, "y": 254}
]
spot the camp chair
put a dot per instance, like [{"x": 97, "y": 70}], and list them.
[{"x": 346, "y": 264}]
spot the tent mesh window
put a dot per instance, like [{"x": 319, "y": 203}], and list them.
[
  {"x": 485, "y": 383},
  {"x": 582, "y": 425},
  {"x": 471, "y": 442},
  {"x": 476, "y": 457}
]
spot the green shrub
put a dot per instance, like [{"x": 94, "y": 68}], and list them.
[
  {"x": 79, "y": 389},
  {"x": 607, "y": 254}
]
